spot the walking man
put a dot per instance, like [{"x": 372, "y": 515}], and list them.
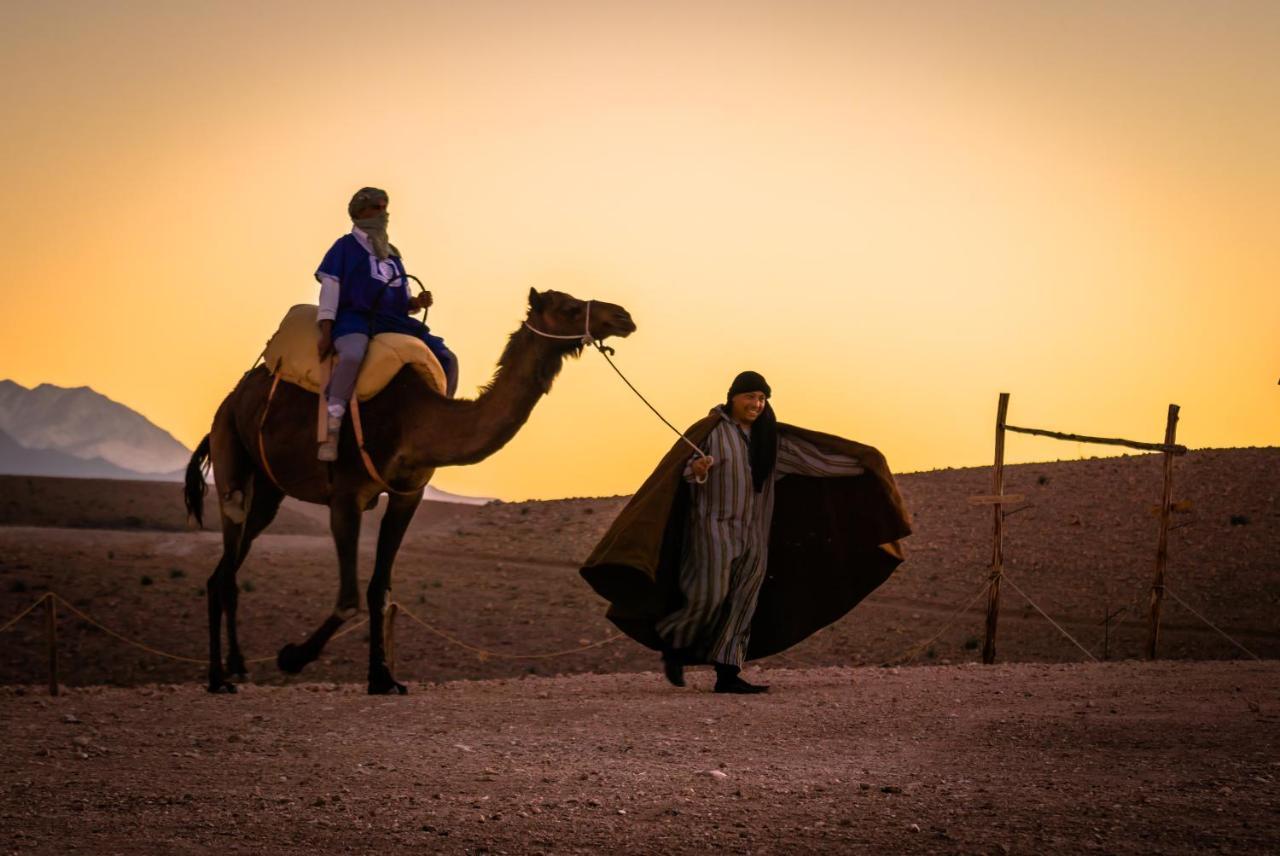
[{"x": 699, "y": 565}]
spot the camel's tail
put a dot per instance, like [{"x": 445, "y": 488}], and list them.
[{"x": 196, "y": 488}]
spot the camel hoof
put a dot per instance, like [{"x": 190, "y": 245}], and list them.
[
  {"x": 391, "y": 688},
  {"x": 381, "y": 683},
  {"x": 235, "y": 666},
  {"x": 222, "y": 688},
  {"x": 292, "y": 659}
]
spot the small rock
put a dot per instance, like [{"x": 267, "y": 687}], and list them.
[
  {"x": 718, "y": 775},
  {"x": 890, "y": 789},
  {"x": 915, "y": 827},
  {"x": 71, "y": 718}
]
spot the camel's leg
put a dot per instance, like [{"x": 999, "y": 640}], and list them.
[
  {"x": 232, "y": 465},
  {"x": 231, "y": 471},
  {"x": 400, "y": 511},
  {"x": 263, "y": 500},
  {"x": 212, "y": 594},
  {"x": 344, "y": 523}
]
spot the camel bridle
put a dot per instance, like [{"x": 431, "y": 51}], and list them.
[{"x": 586, "y": 338}]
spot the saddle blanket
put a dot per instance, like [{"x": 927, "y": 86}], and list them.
[{"x": 291, "y": 353}]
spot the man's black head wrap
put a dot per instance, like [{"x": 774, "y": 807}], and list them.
[
  {"x": 749, "y": 382},
  {"x": 363, "y": 198},
  {"x": 764, "y": 431}
]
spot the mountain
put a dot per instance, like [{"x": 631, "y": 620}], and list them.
[
  {"x": 88, "y": 426},
  {"x": 17, "y": 460}
]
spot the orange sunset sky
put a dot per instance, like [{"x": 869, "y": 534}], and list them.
[{"x": 893, "y": 211}]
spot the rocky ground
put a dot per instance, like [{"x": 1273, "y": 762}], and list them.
[
  {"x": 1027, "y": 758},
  {"x": 521, "y": 734}
]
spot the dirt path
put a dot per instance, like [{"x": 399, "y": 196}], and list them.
[{"x": 1117, "y": 758}]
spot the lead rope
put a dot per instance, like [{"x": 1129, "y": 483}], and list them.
[
  {"x": 604, "y": 352},
  {"x": 587, "y": 339}
]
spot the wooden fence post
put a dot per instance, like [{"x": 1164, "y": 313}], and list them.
[
  {"x": 997, "y": 551},
  {"x": 1162, "y": 549},
  {"x": 51, "y": 635}
]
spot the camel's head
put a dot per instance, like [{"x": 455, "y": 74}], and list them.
[{"x": 557, "y": 314}]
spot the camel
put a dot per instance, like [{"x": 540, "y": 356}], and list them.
[{"x": 410, "y": 430}]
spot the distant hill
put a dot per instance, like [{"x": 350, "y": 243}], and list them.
[
  {"x": 86, "y": 425},
  {"x": 116, "y": 503},
  {"x": 434, "y": 494},
  {"x": 18, "y": 460}
]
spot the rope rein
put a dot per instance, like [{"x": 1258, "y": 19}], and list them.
[
  {"x": 587, "y": 339},
  {"x": 604, "y": 353}
]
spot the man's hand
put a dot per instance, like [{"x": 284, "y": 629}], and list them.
[
  {"x": 422, "y": 301},
  {"x": 325, "y": 344},
  {"x": 700, "y": 467}
]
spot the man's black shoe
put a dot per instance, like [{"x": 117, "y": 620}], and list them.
[
  {"x": 737, "y": 685},
  {"x": 673, "y": 667},
  {"x": 727, "y": 681}
]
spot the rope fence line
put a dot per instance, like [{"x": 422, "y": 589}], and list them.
[
  {"x": 139, "y": 645},
  {"x": 1050, "y": 620},
  {"x": 21, "y": 615},
  {"x": 142, "y": 646},
  {"x": 915, "y": 650},
  {"x": 484, "y": 654},
  {"x": 1187, "y": 606}
]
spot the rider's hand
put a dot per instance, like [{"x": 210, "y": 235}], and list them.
[
  {"x": 701, "y": 466},
  {"x": 422, "y": 301}
]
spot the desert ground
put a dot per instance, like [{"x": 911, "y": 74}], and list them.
[{"x": 528, "y": 728}]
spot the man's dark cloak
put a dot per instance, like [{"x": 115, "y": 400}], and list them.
[{"x": 831, "y": 543}]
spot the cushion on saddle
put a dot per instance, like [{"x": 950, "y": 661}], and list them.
[{"x": 291, "y": 353}]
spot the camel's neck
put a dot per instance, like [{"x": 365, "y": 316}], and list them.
[{"x": 465, "y": 432}]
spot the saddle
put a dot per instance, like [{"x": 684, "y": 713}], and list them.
[{"x": 291, "y": 356}]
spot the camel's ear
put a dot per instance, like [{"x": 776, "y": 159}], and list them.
[{"x": 535, "y": 300}]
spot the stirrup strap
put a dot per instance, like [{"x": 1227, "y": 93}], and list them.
[
  {"x": 262, "y": 448},
  {"x": 364, "y": 455}
]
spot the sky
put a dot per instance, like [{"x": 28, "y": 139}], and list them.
[{"x": 893, "y": 211}]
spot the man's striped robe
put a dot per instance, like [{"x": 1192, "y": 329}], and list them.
[{"x": 727, "y": 541}]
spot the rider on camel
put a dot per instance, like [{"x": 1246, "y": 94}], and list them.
[{"x": 364, "y": 291}]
